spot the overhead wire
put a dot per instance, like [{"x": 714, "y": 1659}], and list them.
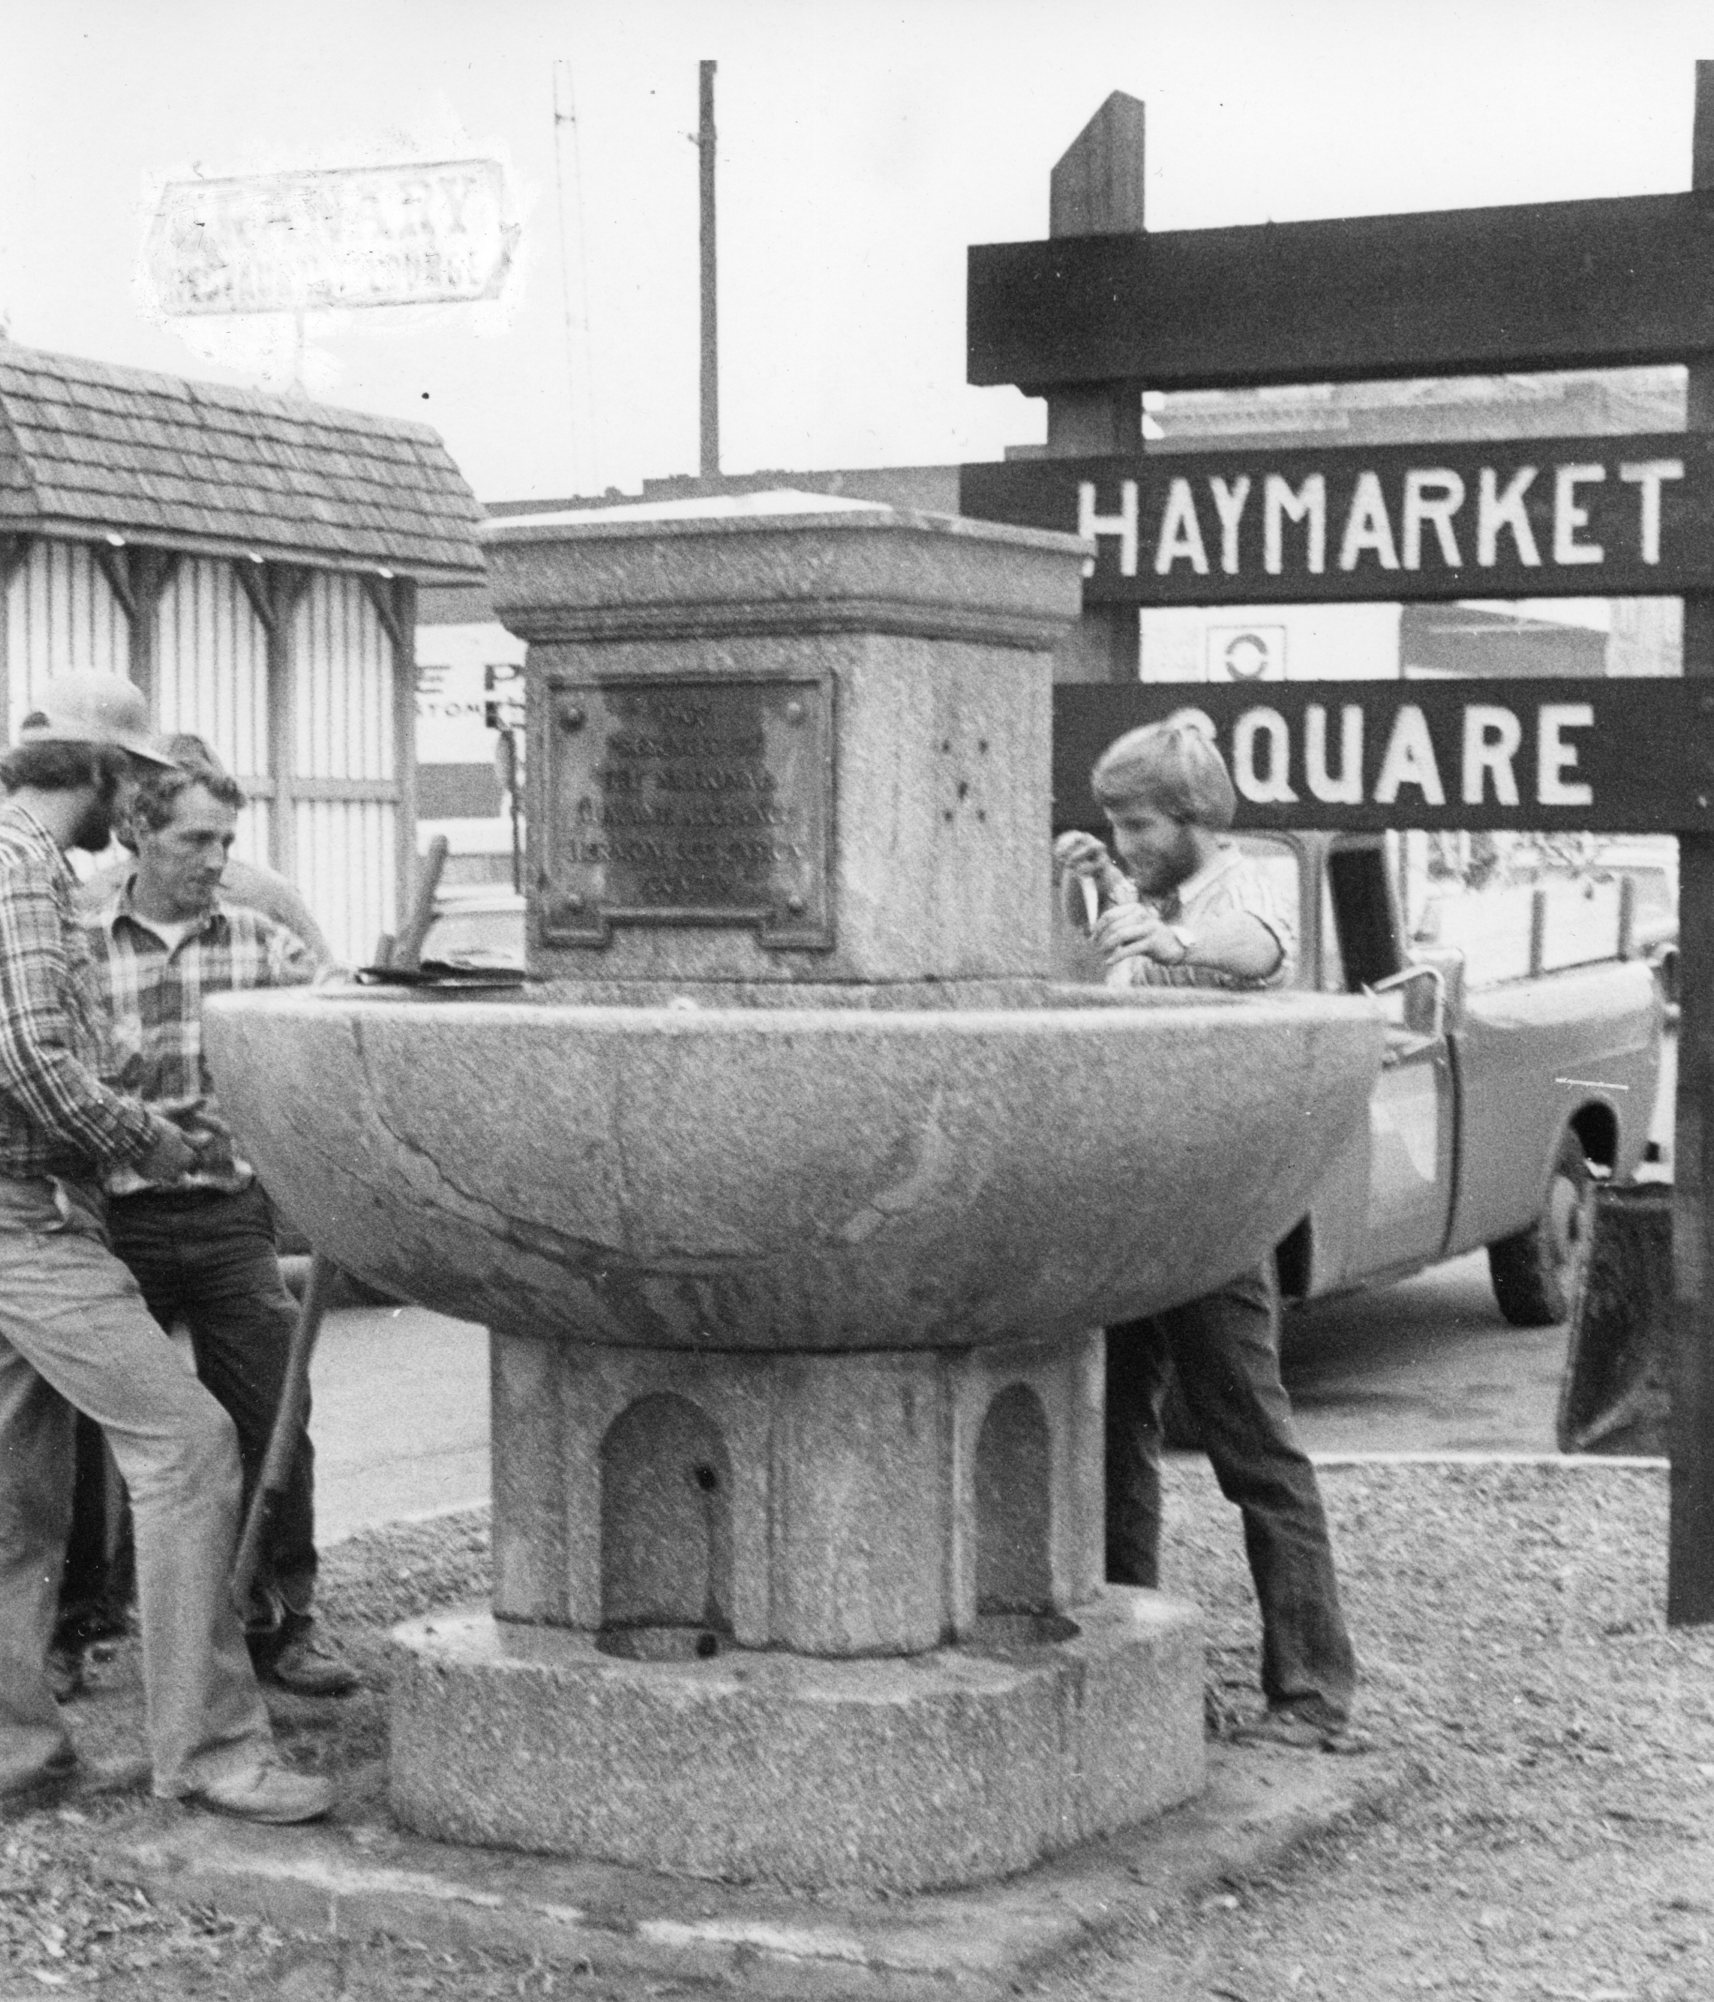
[{"x": 574, "y": 247}]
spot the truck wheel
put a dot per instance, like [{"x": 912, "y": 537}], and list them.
[{"x": 1535, "y": 1273}]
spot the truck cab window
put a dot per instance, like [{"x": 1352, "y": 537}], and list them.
[{"x": 1365, "y": 923}]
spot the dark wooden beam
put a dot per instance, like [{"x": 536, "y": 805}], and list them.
[
  {"x": 253, "y": 580},
  {"x": 14, "y": 549},
  {"x": 1690, "y": 1438},
  {"x": 1457, "y": 292},
  {"x": 148, "y": 573},
  {"x": 383, "y": 594},
  {"x": 283, "y": 585},
  {"x": 116, "y": 569},
  {"x": 405, "y": 741},
  {"x": 1096, "y": 186}
]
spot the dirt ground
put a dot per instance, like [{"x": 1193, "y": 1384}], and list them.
[{"x": 1552, "y": 1835}]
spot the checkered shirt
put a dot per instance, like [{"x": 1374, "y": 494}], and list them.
[
  {"x": 154, "y": 998},
  {"x": 56, "y": 1115}
]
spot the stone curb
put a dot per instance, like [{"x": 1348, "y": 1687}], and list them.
[
  {"x": 1486, "y": 1457},
  {"x": 360, "y": 1875}
]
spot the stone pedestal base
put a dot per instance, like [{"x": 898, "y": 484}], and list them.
[
  {"x": 831, "y": 1505},
  {"x": 938, "y": 1769}
]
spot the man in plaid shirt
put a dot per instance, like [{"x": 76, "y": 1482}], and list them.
[
  {"x": 200, "y": 1243},
  {"x": 74, "y": 1332}
]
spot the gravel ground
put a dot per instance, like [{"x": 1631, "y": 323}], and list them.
[{"x": 1552, "y": 1835}]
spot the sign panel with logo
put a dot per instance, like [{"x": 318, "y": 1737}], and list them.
[{"x": 1246, "y": 653}]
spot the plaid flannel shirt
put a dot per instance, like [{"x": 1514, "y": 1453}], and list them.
[
  {"x": 56, "y": 1115},
  {"x": 154, "y": 998}
]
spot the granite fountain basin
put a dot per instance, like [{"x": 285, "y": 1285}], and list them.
[{"x": 811, "y": 1170}]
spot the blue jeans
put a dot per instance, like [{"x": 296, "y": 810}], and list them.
[
  {"x": 209, "y": 1259},
  {"x": 1225, "y": 1352},
  {"x": 75, "y": 1335}
]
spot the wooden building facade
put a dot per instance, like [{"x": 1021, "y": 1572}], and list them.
[{"x": 252, "y": 563}]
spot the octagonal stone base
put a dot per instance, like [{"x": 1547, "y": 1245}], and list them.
[{"x": 939, "y": 1769}]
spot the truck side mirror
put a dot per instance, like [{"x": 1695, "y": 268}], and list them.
[{"x": 1422, "y": 991}]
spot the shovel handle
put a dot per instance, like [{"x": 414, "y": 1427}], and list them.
[{"x": 276, "y": 1465}]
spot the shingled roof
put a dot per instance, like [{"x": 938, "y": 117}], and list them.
[{"x": 88, "y": 451}]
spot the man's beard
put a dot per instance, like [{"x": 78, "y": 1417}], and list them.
[
  {"x": 94, "y": 828},
  {"x": 1166, "y": 872}
]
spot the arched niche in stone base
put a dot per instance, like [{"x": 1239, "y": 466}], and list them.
[
  {"x": 666, "y": 1530},
  {"x": 1014, "y": 1508}
]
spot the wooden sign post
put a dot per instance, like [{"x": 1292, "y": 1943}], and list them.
[
  {"x": 1103, "y": 309},
  {"x": 1690, "y": 1549}
]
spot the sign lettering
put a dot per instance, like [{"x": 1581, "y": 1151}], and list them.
[
  {"x": 1620, "y": 756},
  {"x": 1538, "y": 518},
  {"x": 350, "y": 236}
]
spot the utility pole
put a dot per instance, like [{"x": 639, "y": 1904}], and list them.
[{"x": 710, "y": 312}]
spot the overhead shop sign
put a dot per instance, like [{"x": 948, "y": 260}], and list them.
[
  {"x": 1626, "y": 756},
  {"x": 429, "y": 234},
  {"x": 1544, "y": 517}
]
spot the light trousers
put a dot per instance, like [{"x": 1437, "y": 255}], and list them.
[{"x": 75, "y": 1334}]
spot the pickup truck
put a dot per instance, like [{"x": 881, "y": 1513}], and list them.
[{"x": 1500, "y": 1103}]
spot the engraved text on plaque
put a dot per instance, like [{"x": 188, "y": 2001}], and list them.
[{"x": 688, "y": 802}]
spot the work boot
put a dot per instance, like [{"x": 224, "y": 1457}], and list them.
[
  {"x": 1304, "y": 1727},
  {"x": 65, "y": 1774},
  {"x": 266, "y": 1792},
  {"x": 65, "y": 1673},
  {"x": 45, "y": 1785},
  {"x": 307, "y": 1667}
]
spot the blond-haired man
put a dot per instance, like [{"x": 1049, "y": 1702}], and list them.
[{"x": 1183, "y": 906}]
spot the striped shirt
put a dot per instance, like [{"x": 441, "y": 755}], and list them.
[
  {"x": 56, "y": 1115},
  {"x": 154, "y": 994},
  {"x": 1229, "y": 885}
]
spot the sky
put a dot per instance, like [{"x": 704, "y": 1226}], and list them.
[{"x": 862, "y": 147}]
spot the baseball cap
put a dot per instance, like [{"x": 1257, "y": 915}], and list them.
[{"x": 92, "y": 709}]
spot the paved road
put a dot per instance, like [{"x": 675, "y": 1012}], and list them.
[{"x": 1427, "y": 1366}]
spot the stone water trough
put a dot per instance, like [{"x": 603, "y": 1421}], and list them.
[{"x": 794, "y": 1195}]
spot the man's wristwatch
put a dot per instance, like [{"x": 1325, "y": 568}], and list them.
[{"x": 1186, "y": 943}]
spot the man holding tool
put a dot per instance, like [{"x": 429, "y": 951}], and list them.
[
  {"x": 74, "y": 1332},
  {"x": 200, "y": 1242},
  {"x": 1188, "y": 910},
  {"x": 96, "y": 1594}
]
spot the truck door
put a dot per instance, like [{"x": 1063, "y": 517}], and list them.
[{"x": 1407, "y": 1204}]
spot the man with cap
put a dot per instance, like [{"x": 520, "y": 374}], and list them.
[{"x": 74, "y": 1332}]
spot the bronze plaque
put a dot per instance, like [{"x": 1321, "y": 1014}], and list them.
[{"x": 688, "y": 802}]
